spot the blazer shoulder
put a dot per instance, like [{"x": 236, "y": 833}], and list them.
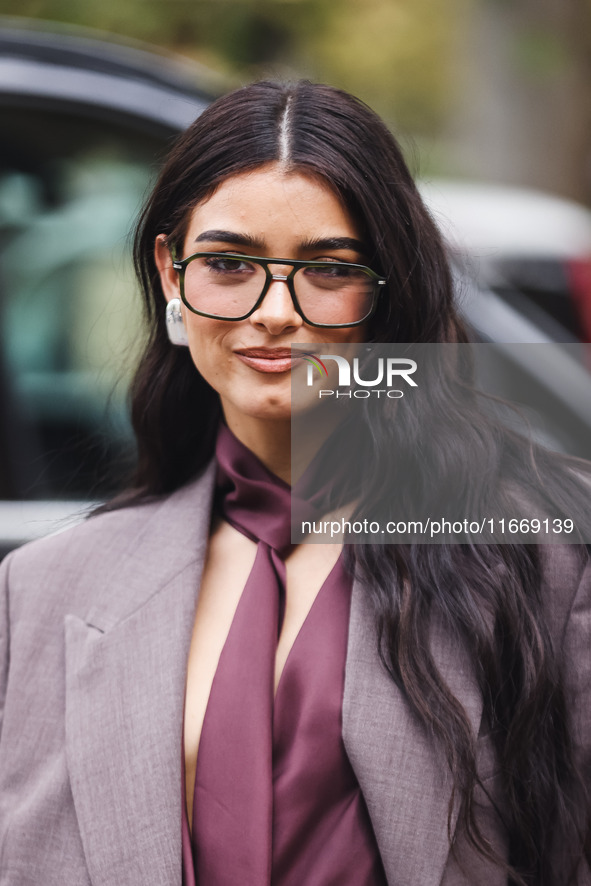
[{"x": 143, "y": 543}]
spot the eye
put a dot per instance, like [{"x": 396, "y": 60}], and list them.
[
  {"x": 335, "y": 273},
  {"x": 225, "y": 265},
  {"x": 331, "y": 270}
]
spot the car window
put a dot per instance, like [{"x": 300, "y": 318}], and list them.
[{"x": 70, "y": 325}]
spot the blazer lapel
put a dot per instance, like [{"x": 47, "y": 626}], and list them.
[
  {"x": 125, "y": 681},
  {"x": 402, "y": 774}
]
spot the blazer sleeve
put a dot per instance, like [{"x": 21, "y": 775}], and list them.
[
  {"x": 4, "y": 635},
  {"x": 577, "y": 661}
]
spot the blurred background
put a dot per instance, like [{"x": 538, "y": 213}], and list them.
[
  {"x": 489, "y": 98},
  {"x": 499, "y": 89}
]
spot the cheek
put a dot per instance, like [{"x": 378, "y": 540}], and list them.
[
  {"x": 358, "y": 334},
  {"x": 205, "y": 346},
  {"x": 210, "y": 345}
]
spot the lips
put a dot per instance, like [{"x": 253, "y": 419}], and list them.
[{"x": 266, "y": 359}]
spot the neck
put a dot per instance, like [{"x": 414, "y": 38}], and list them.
[{"x": 271, "y": 440}]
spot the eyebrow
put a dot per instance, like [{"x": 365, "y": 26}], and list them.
[
  {"x": 322, "y": 243},
  {"x": 230, "y": 237},
  {"x": 334, "y": 243}
]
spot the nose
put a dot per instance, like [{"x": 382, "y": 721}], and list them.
[{"x": 277, "y": 312}]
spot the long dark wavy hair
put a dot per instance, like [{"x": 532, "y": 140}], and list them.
[{"x": 489, "y": 595}]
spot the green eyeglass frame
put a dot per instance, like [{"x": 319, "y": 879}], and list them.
[{"x": 180, "y": 265}]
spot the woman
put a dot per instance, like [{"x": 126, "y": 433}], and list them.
[{"x": 424, "y": 722}]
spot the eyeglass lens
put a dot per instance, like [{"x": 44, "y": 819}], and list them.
[{"x": 229, "y": 288}]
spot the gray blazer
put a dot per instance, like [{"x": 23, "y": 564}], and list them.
[{"x": 95, "y": 626}]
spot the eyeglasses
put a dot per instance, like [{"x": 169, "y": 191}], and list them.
[{"x": 229, "y": 286}]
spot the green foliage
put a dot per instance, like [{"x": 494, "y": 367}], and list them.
[
  {"x": 542, "y": 53},
  {"x": 397, "y": 56}
]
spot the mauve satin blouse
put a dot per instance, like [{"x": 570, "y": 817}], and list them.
[{"x": 320, "y": 833}]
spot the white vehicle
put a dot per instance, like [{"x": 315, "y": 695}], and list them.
[{"x": 531, "y": 248}]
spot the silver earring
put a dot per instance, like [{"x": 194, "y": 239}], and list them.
[{"x": 177, "y": 334}]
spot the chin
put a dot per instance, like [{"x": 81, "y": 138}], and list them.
[
  {"x": 272, "y": 411},
  {"x": 264, "y": 407}
]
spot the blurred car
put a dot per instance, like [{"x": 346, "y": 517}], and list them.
[
  {"x": 84, "y": 124},
  {"x": 532, "y": 248},
  {"x": 524, "y": 261}
]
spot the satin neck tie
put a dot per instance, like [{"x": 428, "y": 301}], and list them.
[{"x": 233, "y": 801}]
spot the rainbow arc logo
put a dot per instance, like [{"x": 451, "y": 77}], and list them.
[{"x": 316, "y": 363}]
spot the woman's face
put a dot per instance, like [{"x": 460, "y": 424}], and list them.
[{"x": 266, "y": 213}]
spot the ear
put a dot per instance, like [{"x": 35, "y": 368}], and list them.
[{"x": 169, "y": 278}]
